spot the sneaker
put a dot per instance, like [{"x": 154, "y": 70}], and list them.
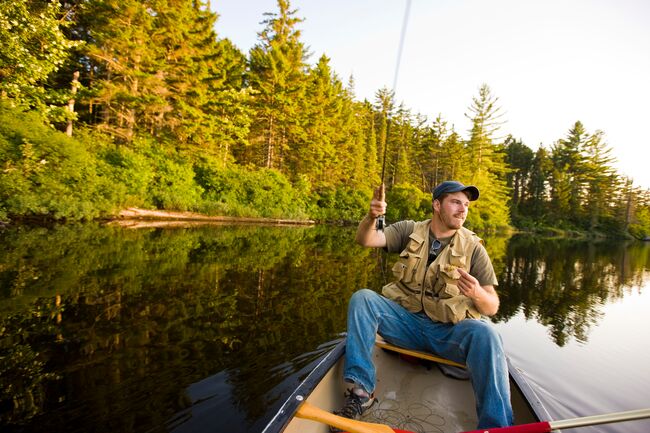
[{"x": 357, "y": 401}]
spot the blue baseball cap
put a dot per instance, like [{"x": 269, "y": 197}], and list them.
[{"x": 455, "y": 186}]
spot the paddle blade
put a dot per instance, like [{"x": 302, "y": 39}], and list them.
[{"x": 308, "y": 411}]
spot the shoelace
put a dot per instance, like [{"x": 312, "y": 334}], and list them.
[{"x": 353, "y": 405}]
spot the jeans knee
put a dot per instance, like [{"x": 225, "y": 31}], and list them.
[
  {"x": 362, "y": 296},
  {"x": 486, "y": 334}
]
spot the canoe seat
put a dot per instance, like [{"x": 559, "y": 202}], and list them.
[{"x": 380, "y": 342}]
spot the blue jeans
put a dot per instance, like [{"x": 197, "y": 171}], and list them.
[{"x": 471, "y": 342}]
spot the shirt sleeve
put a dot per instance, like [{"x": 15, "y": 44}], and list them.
[
  {"x": 482, "y": 268},
  {"x": 397, "y": 235}
]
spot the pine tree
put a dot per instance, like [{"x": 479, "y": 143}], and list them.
[
  {"x": 319, "y": 152},
  {"x": 277, "y": 78},
  {"x": 569, "y": 180},
  {"x": 365, "y": 119},
  {"x": 540, "y": 172},
  {"x": 204, "y": 77},
  {"x": 424, "y": 153},
  {"x": 486, "y": 166},
  {"x": 129, "y": 70},
  {"x": 403, "y": 164},
  {"x": 486, "y": 116},
  {"x": 520, "y": 159},
  {"x": 384, "y": 105},
  {"x": 603, "y": 182}
]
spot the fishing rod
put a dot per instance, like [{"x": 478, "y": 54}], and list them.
[{"x": 381, "y": 220}]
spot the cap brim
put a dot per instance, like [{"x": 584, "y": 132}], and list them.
[{"x": 472, "y": 191}]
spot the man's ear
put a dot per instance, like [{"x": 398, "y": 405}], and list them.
[{"x": 435, "y": 205}]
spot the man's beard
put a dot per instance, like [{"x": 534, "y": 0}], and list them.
[{"x": 452, "y": 221}]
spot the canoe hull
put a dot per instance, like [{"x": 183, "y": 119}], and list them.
[{"x": 413, "y": 396}]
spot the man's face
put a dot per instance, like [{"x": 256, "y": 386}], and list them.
[{"x": 453, "y": 209}]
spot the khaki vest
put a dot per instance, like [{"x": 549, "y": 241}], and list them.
[{"x": 434, "y": 289}]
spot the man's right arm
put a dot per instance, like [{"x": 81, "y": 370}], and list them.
[{"x": 367, "y": 233}]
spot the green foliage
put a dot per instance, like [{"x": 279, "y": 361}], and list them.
[
  {"x": 32, "y": 46},
  {"x": 406, "y": 201},
  {"x": 173, "y": 185},
  {"x": 641, "y": 228},
  {"x": 339, "y": 204},
  {"x": 131, "y": 171},
  {"x": 45, "y": 173},
  {"x": 233, "y": 190}
]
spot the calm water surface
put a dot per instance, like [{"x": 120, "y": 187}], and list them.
[{"x": 208, "y": 329}]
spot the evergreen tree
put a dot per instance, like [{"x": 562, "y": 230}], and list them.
[
  {"x": 365, "y": 119},
  {"x": 520, "y": 159},
  {"x": 277, "y": 78},
  {"x": 403, "y": 163},
  {"x": 319, "y": 152},
  {"x": 445, "y": 152},
  {"x": 568, "y": 186},
  {"x": 204, "y": 77},
  {"x": 486, "y": 166},
  {"x": 384, "y": 104},
  {"x": 603, "y": 182},
  {"x": 485, "y": 116},
  {"x": 540, "y": 172},
  {"x": 424, "y": 151},
  {"x": 454, "y": 157},
  {"x": 129, "y": 70}
]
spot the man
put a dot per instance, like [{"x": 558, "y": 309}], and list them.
[{"x": 444, "y": 284}]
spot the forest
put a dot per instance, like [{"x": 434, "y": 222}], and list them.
[{"x": 107, "y": 104}]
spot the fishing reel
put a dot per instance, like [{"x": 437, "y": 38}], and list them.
[{"x": 380, "y": 223}]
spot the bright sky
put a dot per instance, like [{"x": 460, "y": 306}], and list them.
[{"x": 549, "y": 62}]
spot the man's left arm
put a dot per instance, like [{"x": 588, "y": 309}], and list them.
[{"x": 485, "y": 298}]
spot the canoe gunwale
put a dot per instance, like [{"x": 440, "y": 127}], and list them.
[
  {"x": 530, "y": 396},
  {"x": 288, "y": 409}
]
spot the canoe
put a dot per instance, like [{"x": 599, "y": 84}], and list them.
[{"x": 414, "y": 395}]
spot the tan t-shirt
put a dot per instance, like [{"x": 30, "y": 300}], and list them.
[{"x": 397, "y": 237}]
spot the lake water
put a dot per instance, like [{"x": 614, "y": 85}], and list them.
[{"x": 209, "y": 328}]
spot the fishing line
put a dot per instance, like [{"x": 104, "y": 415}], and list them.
[
  {"x": 401, "y": 44},
  {"x": 400, "y": 48}
]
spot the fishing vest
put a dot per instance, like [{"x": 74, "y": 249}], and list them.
[{"x": 434, "y": 288}]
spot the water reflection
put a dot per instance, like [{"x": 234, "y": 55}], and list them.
[
  {"x": 563, "y": 284},
  {"x": 108, "y": 329}
]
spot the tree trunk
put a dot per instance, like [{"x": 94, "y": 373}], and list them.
[{"x": 73, "y": 89}]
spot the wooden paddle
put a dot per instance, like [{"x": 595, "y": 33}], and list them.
[
  {"x": 548, "y": 426},
  {"x": 308, "y": 411}
]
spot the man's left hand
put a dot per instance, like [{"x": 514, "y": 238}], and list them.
[
  {"x": 468, "y": 285},
  {"x": 485, "y": 298}
]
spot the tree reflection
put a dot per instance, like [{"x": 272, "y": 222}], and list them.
[
  {"x": 104, "y": 329},
  {"x": 563, "y": 284},
  {"x": 106, "y": 311}
]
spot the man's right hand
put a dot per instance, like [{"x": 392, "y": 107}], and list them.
[
  {"x": 367, "y": 233},
  {"x": 377, "y": 204}
]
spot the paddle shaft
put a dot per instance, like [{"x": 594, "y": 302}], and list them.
[{"x": 548, "y": 426}]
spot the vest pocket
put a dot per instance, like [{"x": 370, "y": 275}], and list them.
[
  {"x": 404, "y": 269},
  {"x": 449, "y": 291},
  {"x": 457, "y": 259},
  {"x": 403, "y": 296},
  {"x": 451, "y": 310}
]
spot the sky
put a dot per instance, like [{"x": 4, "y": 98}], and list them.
[{"x": 550, "y": 63}]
